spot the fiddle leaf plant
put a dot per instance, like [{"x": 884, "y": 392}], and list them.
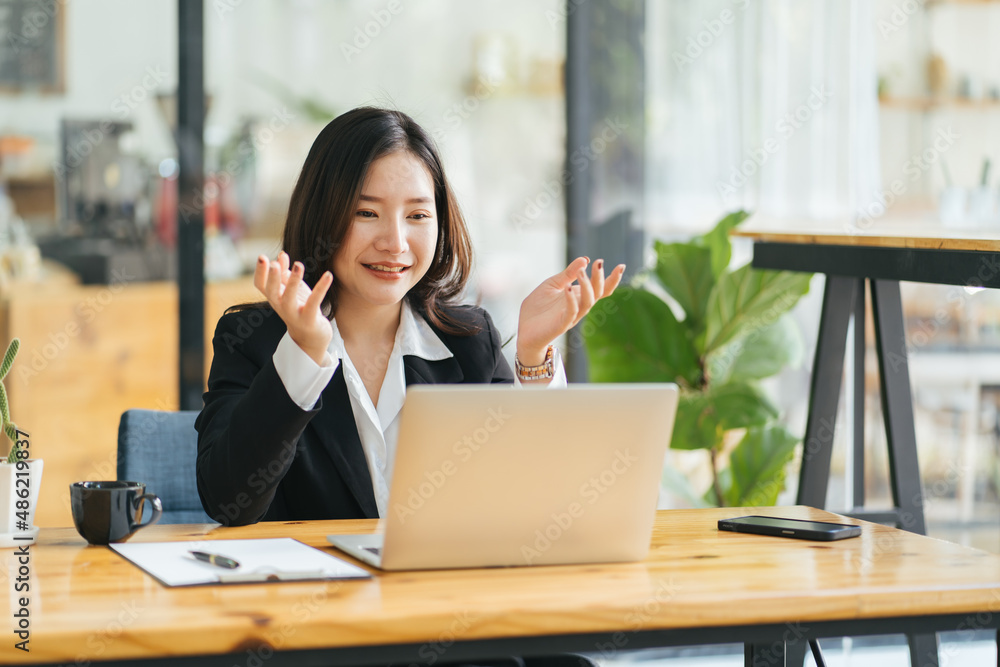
[
  {"x": 732, "y": 331},
  {"x": 9, "y": 427}
]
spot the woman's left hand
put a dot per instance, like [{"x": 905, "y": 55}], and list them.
[{"x": 555, "y": 306}]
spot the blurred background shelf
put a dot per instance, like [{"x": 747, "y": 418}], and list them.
[{"x": 930, "y": 103}]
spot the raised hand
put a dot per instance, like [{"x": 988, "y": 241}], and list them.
[
  {"x": 296, "y": 304},
  {"x": 556, "y": 305}
]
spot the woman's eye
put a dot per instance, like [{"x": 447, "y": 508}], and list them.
[
  {"x": 420, "y": 216},
  {"x": 365, "y": 214}
]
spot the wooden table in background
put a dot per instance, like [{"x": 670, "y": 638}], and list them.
[
  {"x": 876, "y": 258},
  {"x": 698, "y": 585},
  {"x": 88, "y": 353}
]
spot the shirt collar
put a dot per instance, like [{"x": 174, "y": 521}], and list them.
[{"x": 415, "y": 337}]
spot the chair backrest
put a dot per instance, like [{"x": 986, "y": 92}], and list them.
[{"x": 159, "y": 449}]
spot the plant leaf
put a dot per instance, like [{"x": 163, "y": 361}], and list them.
[
  {"x": 695, "y": 426},
  {"x": 758, "y": 353},
  {"x": 633, "y": 336},
  {"x": 8, "y": 357},
  {"x": 774, "y": 348},
  {"x": 717, "y": 241},
  {"x": 741, "y": 405},
  {"x": 757, "y": 467},
  {"x": 748, "y": 298},
  {"x": 685, "y": 271},
  {"x": 703, "y": 417}
]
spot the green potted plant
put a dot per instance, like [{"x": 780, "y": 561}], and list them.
[
  {"x": 717, "y": 334},
  {"x": 20, "y": 475}
]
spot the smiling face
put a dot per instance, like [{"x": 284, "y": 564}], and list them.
[{"x": 391, "y": 241}]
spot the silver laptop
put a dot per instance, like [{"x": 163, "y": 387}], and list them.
[{"x": 496, "y": 476}]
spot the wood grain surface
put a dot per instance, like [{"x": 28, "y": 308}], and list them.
[
  {"x": 883, "y": 234},
  {"x": 87, "y": 604},
  {"x": 88, "y": 353}
]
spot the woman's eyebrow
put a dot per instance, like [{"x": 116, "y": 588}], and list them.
[{"x": 412, "y": 200}]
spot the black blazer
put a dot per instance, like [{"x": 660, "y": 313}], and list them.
[{"x": 261, "y": 457}]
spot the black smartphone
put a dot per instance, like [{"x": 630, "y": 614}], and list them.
[{"x": 797, "y": 528}]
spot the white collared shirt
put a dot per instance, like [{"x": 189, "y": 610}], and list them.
[{"x": 378, "y": 426}]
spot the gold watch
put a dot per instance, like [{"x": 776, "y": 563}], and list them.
[{"x": 544, "y": 371}]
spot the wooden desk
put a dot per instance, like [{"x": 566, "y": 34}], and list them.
[{"x": 697, "y": 586}]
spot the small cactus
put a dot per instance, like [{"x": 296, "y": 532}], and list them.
[{"x": 9, "y": 427}]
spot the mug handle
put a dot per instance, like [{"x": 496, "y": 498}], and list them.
[{"x": 157, "y": 508}]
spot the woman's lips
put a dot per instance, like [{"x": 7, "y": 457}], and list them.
[{"x": 387, "y": 271}]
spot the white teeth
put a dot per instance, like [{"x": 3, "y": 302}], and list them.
[{"x": 387, "y": 269}]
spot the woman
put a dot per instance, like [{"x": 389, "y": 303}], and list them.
[{"x": 300, "y": 417}]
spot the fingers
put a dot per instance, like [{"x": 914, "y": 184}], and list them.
[
  {"x": 322, "y": 286},
  {"x": 260, "y": 273},
  {"x": 272, "y": 283},
  {"x": 613, "y": 280},
  {"x": 289, "y": 298},
  {"x": 597, "y": 287},
  {"x": 602, "y": 286},
  {"x": 572, "y": 307},
  {"x": 586, "y": 290},
  {"x": 284, "y": 286},
  {"x": 597, "y": 278},
  {"x": 565, "y": 278},
  {"x": 586, "y": 300}
]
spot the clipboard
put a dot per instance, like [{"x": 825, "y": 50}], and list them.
[{"x": 260, "y": 560}]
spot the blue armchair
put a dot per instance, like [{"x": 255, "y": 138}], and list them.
[{"x": 159, "y": 449}]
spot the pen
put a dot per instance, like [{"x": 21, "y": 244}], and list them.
[{"x": 215, "y": 559}]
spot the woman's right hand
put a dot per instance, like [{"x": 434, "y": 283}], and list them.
[{"x": 296, "y": 304}]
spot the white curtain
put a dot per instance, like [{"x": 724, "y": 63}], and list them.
[{"x": 768, "y": 105}]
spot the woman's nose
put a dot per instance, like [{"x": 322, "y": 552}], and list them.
[{"x": 392, "y": 237}]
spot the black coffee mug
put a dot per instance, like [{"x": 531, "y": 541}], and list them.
[{"x": 111, "y": 511}]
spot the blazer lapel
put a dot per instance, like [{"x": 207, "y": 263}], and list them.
[
  {"x": 421, "y": 371},
  {"x": 339, "y": 434}
]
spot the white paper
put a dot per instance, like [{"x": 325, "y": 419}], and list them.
[{"x": 282, "y": 559}]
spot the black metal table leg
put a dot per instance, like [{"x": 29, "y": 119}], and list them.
[
  {"x": 795, "y": 653},
  {"x": 860, "y": 345},
  {"x": 897, "y": 405},
  {"x": 924, "y": 650},
  {"x": 897, "y": 408},
  {"x": 824, "y": 389},
  {"x": 764, "y": 654}
]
